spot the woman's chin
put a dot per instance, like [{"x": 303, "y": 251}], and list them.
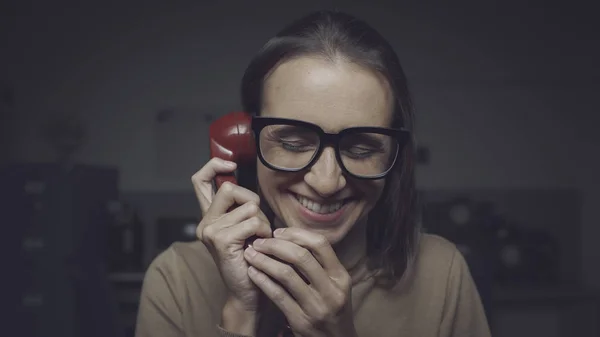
[
  {"x": 333, "y": 234},
  {"x": 334, "y": 237}
]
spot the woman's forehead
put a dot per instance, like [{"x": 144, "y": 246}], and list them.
[{"x": 333, "y": 95}]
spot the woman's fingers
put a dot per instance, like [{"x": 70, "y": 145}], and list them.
[
  {"x": 247, "y": 223},
  {"x": 277, "y": 294},
  {"x": 282, "y": 273},
  {"x": 202, "y": 180},
  {"x": 228, "y": 196},
  {"x": 336, "y": 290},
  {"x": 317, "y": 244},
  {"x": 300, "y": 257}
]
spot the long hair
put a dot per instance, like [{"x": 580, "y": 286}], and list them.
[{"x": 392, "y": 229}]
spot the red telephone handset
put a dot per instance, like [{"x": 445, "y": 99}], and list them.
[{"x": 231, "y": 139}]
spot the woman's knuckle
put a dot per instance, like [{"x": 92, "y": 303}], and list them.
[
  {"x": 278, "y": 296},
  {"x": 252, "y": 208},
  {"x": 337, "y": 300},
  {"x": 254, "y": 222},
  {"x": 207, "y": 233},
  {"x": 227, "y": 187},
  {"x": 345, "y": 282},
  {"x": 321, "y": 241},
  {"x": 314, "y": 319},
  {"x": 302, "y": 256},
  {"x": 286, "y": 272},
  {"x": 319, "y": 315}
]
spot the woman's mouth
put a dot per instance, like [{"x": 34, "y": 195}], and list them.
[
  {"x": 319, "y": 207},
  {"x": 314, "y": 211}
]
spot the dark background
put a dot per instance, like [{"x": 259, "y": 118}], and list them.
[{"x": 507, "y": 119}]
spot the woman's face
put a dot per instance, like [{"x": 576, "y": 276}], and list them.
[{"x": 333, "y": 95}]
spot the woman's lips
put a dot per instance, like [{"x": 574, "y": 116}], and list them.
[{"x": 314, "y": 217}]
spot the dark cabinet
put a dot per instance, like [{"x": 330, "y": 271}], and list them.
[{"x": 55, "y": 222}]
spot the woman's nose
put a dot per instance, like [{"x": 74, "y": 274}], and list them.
[{"x": 325, "y": 176}]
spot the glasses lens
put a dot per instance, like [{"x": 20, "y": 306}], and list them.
[
  {"x": 288, "y": 147},
  {"x": 368, "y": 154}
]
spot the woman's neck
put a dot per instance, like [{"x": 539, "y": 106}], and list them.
[{"x": 352, "y": 249}]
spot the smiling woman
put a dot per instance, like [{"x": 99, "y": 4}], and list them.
[{"x": 334, "y": 209}]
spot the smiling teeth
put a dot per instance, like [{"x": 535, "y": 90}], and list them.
[{"x": 317, "y": 207}]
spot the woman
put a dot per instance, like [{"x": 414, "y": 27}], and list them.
[{"x": 335, "y": 177}]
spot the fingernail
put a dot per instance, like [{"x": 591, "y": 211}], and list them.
[
  {"x": 259, "y": 241},
  {"x": 278, "y": 231},
  {"x": 229, "y": 163},
  {"x": 251, "y": 270},
  {"x": 250, "y": 251}
]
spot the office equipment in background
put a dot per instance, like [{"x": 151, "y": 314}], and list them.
[
  {"x": 125, "y": 239},
  {"x": 55, "y": 223}
]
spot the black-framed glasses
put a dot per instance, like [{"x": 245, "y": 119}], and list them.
[{"x": 362, "y": 152}]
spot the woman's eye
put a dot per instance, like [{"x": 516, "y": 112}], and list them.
[
  {"x": 295, "y": 146},
  {"x": 360, "y": 151}
]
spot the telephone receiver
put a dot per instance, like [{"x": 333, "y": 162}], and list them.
[{"x": 231, "y": 139}]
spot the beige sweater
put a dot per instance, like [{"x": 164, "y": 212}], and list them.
[{"x": 183, "y": 295}]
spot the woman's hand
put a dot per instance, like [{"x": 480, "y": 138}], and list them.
[
  {"x": 225, "y": 231},
  {"x": 321, "y": 307}
]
